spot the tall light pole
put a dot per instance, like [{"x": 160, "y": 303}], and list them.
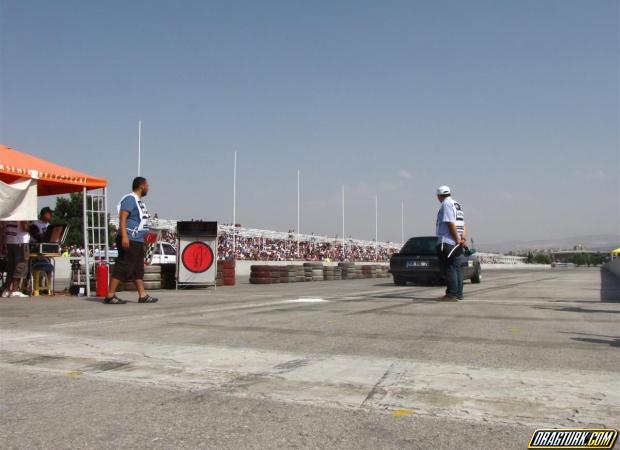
[
  {"x": 234, "y": 245},
  {"x": 298, "y": 208},
  {"x": 139, "y": 146},
  {"x": 402, "y": 222},
  {"x": 376, "y": 227},
  {"x": 344, "y": 253}
]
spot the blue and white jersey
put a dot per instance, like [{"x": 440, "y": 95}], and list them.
[
  {"x": 138, "y": 219},
  {"x": 449, "y": 212}
]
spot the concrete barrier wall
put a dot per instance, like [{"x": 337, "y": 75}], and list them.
[
  {"x": 515, "y": 266},
  {"x": 613, "y": 267},
  {"x": 63, "y": 268}
]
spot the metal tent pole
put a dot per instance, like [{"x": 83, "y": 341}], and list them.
[
  {"x": 139, "y": 146},
  {"x": 298, "y": 210},
  {"x": 106, "y": 230},
  {"x": 86, "y": 244},
  {"x": 234, "y": 245}
]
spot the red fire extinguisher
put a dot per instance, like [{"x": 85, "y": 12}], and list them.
[{"x": 102, "y": 279}]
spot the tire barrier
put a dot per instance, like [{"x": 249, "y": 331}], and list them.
[
  {"x": 369, "y": 271},
  {"x": 284, "y": 275},
  {"x": 228, "y": 272},
  {"x": 152, "y": 279},
  {"x": 288, "y": 274},
  {"x": 299, "y": 274},
  {"x": 272, "y": 274},
  {"x": 226, "y": 275},
  {"x": 332, "y": 273},
  {"x": 350, "y": 271},
  {"x": 308, "y": 271},
  {"x": 315, "y": 270},
  {"x": 261, "y": 274}
]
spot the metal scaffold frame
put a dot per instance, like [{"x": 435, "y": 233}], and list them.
[{"x": 95, "y": 209}]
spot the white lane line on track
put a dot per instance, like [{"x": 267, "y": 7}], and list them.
[
  {"x": 200, "y": 311},
  {"x": 307, "y": 300}
]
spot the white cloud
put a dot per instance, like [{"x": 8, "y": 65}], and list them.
[
  {"x": 593, "y": 174},
  {"x": 514, "y": 196},
  {"x": 405, "y": 175}
]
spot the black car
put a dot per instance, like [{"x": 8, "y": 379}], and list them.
[{"x": 418, "y": 262}]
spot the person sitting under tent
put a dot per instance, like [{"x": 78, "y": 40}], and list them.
[{"x": 37, "y": 235}]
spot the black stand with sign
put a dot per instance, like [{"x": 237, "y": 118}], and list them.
[{"x": 197, "y": 253}]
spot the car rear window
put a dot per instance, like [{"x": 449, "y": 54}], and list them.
[{"x": 421, "y": 245}]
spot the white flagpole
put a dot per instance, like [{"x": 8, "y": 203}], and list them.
[
  {"x": 139, "y": 145},
  {"x": 344, "y": 253},
  {"x": 402, "y": 222},
  {"x": 234, "y": 245},
  {"x": 376, "y": 227},
  {"x": 298, "y": 209}
]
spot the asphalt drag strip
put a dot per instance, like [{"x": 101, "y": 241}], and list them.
[{"x": 524, "y": 350}]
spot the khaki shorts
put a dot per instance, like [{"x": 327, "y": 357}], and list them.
[{"x": 17, "y": 256}]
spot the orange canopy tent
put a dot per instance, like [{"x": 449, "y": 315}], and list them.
[{"x": 52, "y": 179}]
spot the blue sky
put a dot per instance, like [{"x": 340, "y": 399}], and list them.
[{"x": 513, "y": 104}]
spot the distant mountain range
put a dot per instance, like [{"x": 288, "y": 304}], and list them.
[{"x": 599, "y": 242}]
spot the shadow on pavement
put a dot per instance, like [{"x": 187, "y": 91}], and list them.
[
  {"x": 610, "y": 287},
  {"x": 578, "y": 309},
  {"x": 613, "y": 341}
]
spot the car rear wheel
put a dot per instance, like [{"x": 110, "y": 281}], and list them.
[
  {"x": 399, "y": 281},
  {"x": 477, "y": 277}
]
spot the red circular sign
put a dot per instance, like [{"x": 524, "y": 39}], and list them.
[{"x": 197, "y": 257}]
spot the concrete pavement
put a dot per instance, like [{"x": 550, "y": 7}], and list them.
[{"x": 345, "y": 364}]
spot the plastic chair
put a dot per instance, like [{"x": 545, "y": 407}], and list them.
[{"x": 41, "y": 282}]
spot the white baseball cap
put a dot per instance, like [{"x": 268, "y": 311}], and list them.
[{"x": 443, "y": 190}]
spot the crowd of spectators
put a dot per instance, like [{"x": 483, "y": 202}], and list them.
[{"x": 272, "y": 249}]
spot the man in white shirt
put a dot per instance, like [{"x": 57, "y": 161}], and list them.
[
  {"x": 451, "y": 237},
  {"x": 17, "y": 254}
]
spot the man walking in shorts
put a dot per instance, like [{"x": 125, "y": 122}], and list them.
[{"x": 133, "y": 227}]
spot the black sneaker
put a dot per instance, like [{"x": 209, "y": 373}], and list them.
[
  {"x": 448, "y": 298},
  {"x": 148, "y": 299},
  {"x": 114, "y": 301}
]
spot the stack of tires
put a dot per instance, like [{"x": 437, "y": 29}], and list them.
[
  {"x": 348, "y": 270},
  {"x": 225, "y": 273},
  {"x": 368, "y": 271},
  {"x": 385, "y": 272},
  {"x": 315, "y": 270},
  {"x": 378, "y": 272},
  {"x": 275, "y": 274},
  {"x": 332, "y": 273},
  {"x": 261, "y": 274},
  {"x": 219, "y": 276},
  {"x": 288, "y": 274},
  {"x": 307, "y": 271},
  {"x": 152, "y": 279},
  {"x": 299, "y": 273}
]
